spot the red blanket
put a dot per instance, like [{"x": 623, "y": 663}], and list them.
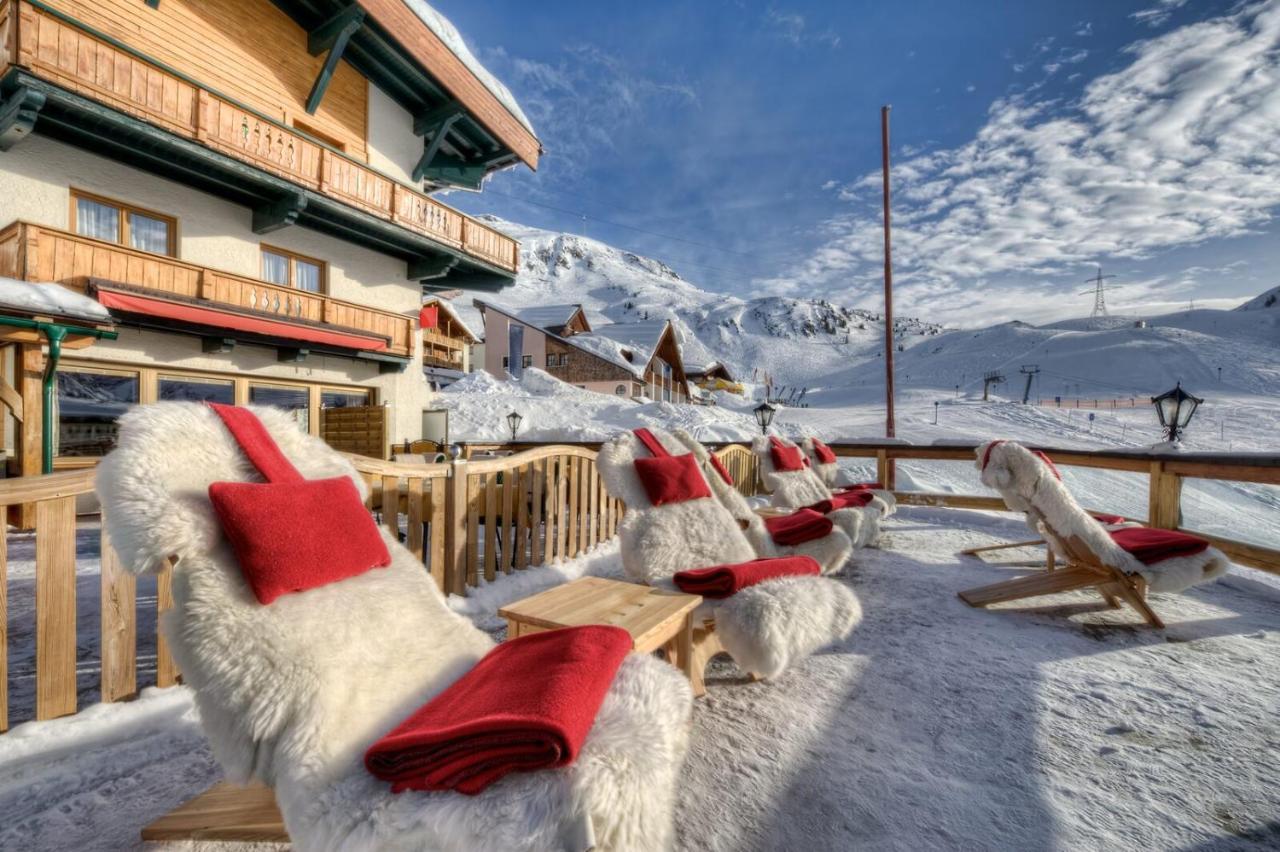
[
  {"x": 1150, "y": 546},
  {"x": 528, "y": 705},
  {"x": 800, "y": 526},
  {"x": 722, "y": 581},
  {"x": 855, "y": 499},
  {"x": 860, "y": 486}
]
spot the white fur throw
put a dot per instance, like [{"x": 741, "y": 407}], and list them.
[
  {"x": 777, "y": 623},
  {"x": 294, "y": 693},
  {"x": 831, "y": 551},
  {"x": 1027, "y": 484},
  {"x": 794, "y": 489},
  {"x": 834, "y": 478},
  {"x": 826, "y": 471}
]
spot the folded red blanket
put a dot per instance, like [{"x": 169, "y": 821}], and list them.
[
  {"x": 855, "y": 499},
  {"x": 723, "y": 581},
  {"x": 528, "y": 705},
  {"x": 860, "y": 486},
  {"x": 1150, "y": 546},
  {"x": 800, "y": 526}
]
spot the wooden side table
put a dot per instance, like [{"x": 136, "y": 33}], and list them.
[{"x": 655, "y": 618}]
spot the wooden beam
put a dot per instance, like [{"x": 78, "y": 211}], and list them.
[
  {"x": 433, "y": 147},
  {"x": 332, "y": 36},
  {"x": 453, "y": 171},
  {"x": 278, "y": 214},
  {"x": 430, "y": 121},
  {"x": 18, "y": 114},
  {"x": 11, "y": 398}
]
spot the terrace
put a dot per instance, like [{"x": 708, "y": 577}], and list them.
[{"x": 1065, "y": 725}]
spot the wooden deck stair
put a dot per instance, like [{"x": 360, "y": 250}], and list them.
[{"x": 224, "y": 812}]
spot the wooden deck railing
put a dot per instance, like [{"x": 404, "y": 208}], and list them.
[
  {"x": 56, "y": 49},
  {"x": 37, "y": 253},
  {"x": 470, "y": 521},
  {"x": 440, "y": 350}
]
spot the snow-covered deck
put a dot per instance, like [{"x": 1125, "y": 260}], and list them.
[{"x": 933, "y": 726}]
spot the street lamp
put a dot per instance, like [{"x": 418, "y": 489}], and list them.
[
  {"x": 764, "y": 416},
  {"x": 513, "y": 421},
  {"x": 935, "y": 412},
  {"x": 1175, "y": 409}
]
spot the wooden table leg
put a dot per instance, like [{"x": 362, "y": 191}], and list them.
[
  {"x": 513, "y": 629},
  {"x": 684, "y": 647}
]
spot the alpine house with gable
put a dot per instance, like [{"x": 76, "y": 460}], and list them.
[
  {"x": 639, "y": 360},
  {"x": 246, "y": 186}
]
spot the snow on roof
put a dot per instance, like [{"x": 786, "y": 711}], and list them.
[
  {"x": 49, "y": 300},
  {"x": 612, "y": 342},
  {"x": 448, "y": 33},
  {"x": 548, "y": 316},
  {"x": 453, "y": 315}
]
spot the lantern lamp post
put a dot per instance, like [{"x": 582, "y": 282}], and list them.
[
  {"x": 764, "y": 416},
  {"x": 513, "y": 421},
  {"x": 1175, "y": 409}
]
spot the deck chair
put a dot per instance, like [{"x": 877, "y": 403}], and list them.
[
  {"x": 831, "y": 551},
  {"x": 1096, "y": 558},
  {"x": 799, "y": 488},
  {"x": 835, "y": 479},
  {"x": 292, "y": 694},
  {"x": 766, "y": 627}
]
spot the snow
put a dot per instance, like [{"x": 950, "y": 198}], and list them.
[
  {"x": 453, "y": 40},
  {"x": 548, "y": 316},
  {"x": 1269, "y": 299},
  {"x": 1064, "y": 726},
  {"x": 49, "y": 300}
]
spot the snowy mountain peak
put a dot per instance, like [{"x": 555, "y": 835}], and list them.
[{"x": 1269, "y": 299}]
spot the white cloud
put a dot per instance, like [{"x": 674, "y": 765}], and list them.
[
  {"x": 1177, "y": 148},
  {"x": 1084, "y": 28},
  {"x": 1158, "y": 14},
  {"x": 792, "y": 27},
  {"x": 970, "y": 88}
]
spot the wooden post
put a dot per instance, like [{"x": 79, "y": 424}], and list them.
[
  {"x": 437, "y": 563},
  {"x": 166, "y": 668},
  {"x": 55, "y": 607},
  {"x": 455, "y": 529},
  {"x": 1164, "y": 509},
  {"x": 119, "y": 641},
  {"x": 31, "y": 384},
  {"x": 4, "y": 634}
]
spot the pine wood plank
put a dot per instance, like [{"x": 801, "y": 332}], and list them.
[
  {"x": 525, "y": 473},
  {"x": 436, "y": 546},
  {"x": 4, "y": 629},
  {"x": 119, "y": 625},
  {"x": 509, "y": 479},
  {"x": 415, "y": 496},
  {"x": 55, "y": 608},
  {"x": 475, "y": 496},
  {"x": 224, "y": 812},
  {"x": 166, "y": 667},
  {"x": 574, "y": 522},
  {"x": 490, "y": 525},
  {"x": 537, "y": 534}
]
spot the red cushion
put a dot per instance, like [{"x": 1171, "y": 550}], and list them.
[
  {"x": 787, "y": 458},
  {"x": 724, "y": 580},
  {"x": 721, "y": 469},
  {"x": 1110, "y": 520},
  {"x": 798, "y": 527},
  {"x": 528, "y": 705},
  {"x": 1149, "y": 545},
  {"x": 672, "y": 479},
  {"x": 823, "y": 452},
  {"x": 861, "y": 486},
  {"x": 294, "y": 536}
]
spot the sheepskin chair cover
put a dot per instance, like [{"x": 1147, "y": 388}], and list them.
[
  {"x": 826, "y": 471},
  {"x": 831, "y": 551},
  {"x": 833, "y": 477},
  {"x": 795, "y": 489},
  {"x": 765, "y": 627},
  {"x": 293, "y": 694},
  {"x": 1026, "y": 483}
]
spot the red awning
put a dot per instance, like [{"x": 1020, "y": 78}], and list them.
[{"x": 210, "y": 316}]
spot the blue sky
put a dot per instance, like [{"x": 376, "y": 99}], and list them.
[{"x": 739, "y": 142}]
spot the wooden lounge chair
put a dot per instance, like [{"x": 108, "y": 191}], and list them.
[
  {"x": 766, "y": 627},
  {"x": 291, "y": 694},
  {"x": 795, "y": 489},
  {"x": 1121, "y": 564},
  {"x": 831, "y": 551}
]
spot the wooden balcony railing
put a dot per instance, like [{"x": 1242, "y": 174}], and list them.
[
  {"x": 56, "y": 49},
  {"x": 440, "y": 350},
  {"x": 36, "y": 253}
]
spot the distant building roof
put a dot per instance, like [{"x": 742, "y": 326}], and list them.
[
  {"x": 714, "y": 368},
  {"x": 548, "y": 316},
  {"x": 453, "y": 315},
  {"x": 617, "y": 341}
]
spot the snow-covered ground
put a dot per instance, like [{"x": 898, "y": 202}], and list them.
[{"x": 934, "y": 726}]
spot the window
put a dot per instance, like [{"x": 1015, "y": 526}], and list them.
[
  {"x": 195, "y": 389},
  {"x": 293, "y": 270},
  {"x": 620, "y": 390},
  {"x": 89, "y": 403},
  {"x": 334, "y": 398},
  {"x": 564, "y": 359},
  {"x": 505, "y": 362},
  {"x": 290, "y": 398},
  {"x": 551, "y": 360},
  {"x": 526, "y": 361},
  {"x": 123, "y": 224}
]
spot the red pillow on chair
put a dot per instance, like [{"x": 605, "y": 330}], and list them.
[
  {"x": 294, "y": 536},
  {"x": 787, "y": 458},
  {"x": 823, "y": 452},
  {"x": 672, "y": 479}
]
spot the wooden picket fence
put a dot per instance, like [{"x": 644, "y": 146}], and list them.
[{"x": 471, "y": 520}]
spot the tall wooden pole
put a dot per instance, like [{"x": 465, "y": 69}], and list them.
[{"x": 888, "y": 283}]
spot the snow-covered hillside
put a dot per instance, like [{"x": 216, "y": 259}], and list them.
[{"x": 796, "y": 341}]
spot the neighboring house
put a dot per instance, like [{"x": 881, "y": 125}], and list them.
[
  {"x": 243, "y": 183},
  {"x": 713, "y": 377},
  {"x": 640, "y": 359},
  {"x": 446, "y": 343}
]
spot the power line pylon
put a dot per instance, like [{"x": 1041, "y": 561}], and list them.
[{"x": 1099, "y": 294}]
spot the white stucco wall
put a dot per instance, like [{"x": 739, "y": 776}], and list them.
[
  {"x": 393, "y": 149},
  {"x": 37, "y": 175}
]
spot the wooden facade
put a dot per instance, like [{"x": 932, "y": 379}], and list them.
[{"x": 446, "y": 345}]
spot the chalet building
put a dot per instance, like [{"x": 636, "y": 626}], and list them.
[
  {"x": 246, "y": 186},
  {"x": 447, "y": 343},
  {"x": 714, "y": 377},
  {"x": 639, "y": 360}
]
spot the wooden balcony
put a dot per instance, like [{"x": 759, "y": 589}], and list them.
[
  {"x": 53, "y": 48},
  {"x": 36, "y": 253},
  {"x": 440, "y": 350}
]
